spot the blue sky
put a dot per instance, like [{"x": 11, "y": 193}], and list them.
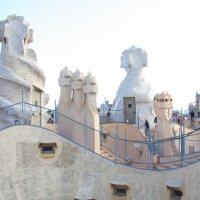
[{"x": 91, "y": 34}]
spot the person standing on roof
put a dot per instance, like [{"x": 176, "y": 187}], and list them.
[{"x": 146, "y": 126}]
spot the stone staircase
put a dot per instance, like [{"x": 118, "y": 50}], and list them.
[
  {"x": 169, "y": 166},
  {"x": 107, "y": 154}
]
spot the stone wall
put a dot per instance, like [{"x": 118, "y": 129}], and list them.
[{"x": 25, "y": 173}]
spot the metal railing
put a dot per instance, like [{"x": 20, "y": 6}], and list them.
[
  {"x": 149, "y": 153},
  {"x": 113, "y": 118}
]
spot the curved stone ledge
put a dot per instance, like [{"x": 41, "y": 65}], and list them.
[{"x": 76, "y": 171}]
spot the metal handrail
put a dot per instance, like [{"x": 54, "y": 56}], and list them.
[{"x": 150, "y": 142}]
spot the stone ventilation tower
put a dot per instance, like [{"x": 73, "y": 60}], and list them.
[
  {"x": 20, "y": 73},
  {"x": 163, "y": 105},
  {"x": 64, "y": 104},
  {"x": 77, "y": 103},
  {"x": 91, "y": 114},
  {"x": 134, "y": 94}
]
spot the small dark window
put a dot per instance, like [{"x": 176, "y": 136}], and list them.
[
  {"x": 79, "y": 199},
  {"x": 36, "y": 103},
  {"x": 177, "y": 193},
  {"x": 47, "y": 148},
  {"x": 120, "y": 192},
  {"x": 4, "y": 40},
  {"x": 129, "y": 105}
]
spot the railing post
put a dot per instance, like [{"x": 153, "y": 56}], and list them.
[
  {"x": 22, "y": 107},
  {"x": 40, "y": 113},
  {"x": 116, "y": 144},
  {"x": 183, "y": 144},
  {"x": 101, "y": 134},
  {"x": 55, "y": 116},
  {"x": 124, "y": 144},
  {"x": 151, "y": 149},
  {"x": 85, "y": 130},
  {"x": 179, "y": 141},
  {"x": 173, "y": 127},
  {"x": 138, "y": 121}
]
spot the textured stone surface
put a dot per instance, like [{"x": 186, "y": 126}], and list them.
[
  {"x": 78, "y": 104},
  {"x": 74, "y": 171},
  {"x": 163, "y": 105},
  {"x": 19, "y": 71},
  {"x": 133, "y": 60}
]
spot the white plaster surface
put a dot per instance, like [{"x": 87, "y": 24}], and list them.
[
  {"x": 133, "y": 60},
  {"x": 25, "y": 174}
]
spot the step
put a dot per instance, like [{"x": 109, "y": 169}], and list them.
[
  {"x": 111, "y": 158},
  {"x": 176, "y": 164},
  {"x": 102, "y": 151},
  {"x": 106, "y": 155},
  {"x": 162, "y": 167}
]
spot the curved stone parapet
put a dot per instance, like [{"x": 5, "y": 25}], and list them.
[
  {"x": 77, "y": 107},
  {"x": 19, "y": 72},
  {"x": 71, "y": 172}
]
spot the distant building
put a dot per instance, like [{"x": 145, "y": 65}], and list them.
[
  {"x": 195, "y": 107},
  {"x": 104, "y": 107}
]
